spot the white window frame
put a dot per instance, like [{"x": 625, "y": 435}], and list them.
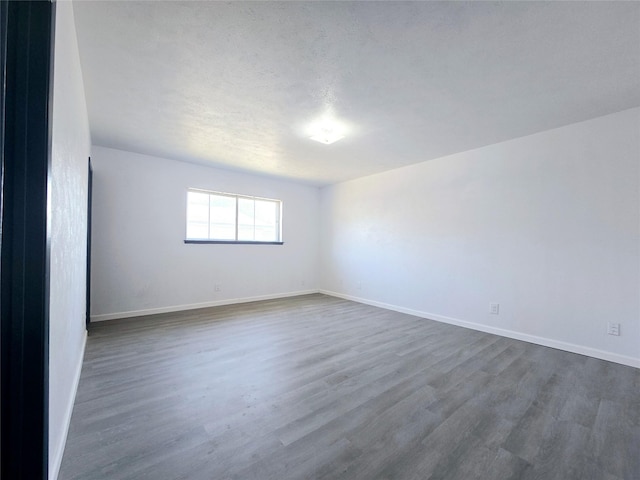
[{"x": 235, "y": 196}]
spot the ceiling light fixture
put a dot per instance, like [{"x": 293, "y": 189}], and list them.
[
  {"x": 327, "y": 131},
  {"x": 327, "y": 136}
]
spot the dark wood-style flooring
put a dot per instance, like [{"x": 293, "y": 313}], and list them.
[{"x": 316, "y": 387}]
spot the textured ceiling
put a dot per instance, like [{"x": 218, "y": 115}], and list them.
[{"x": 235, "y": 85}]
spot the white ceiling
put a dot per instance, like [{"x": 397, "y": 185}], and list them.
[{"x": 234, "y": 85}]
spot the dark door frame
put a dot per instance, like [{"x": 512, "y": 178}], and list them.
[
  {"x": 89, "y": 200},
  {"x": 27, "y": 37}
]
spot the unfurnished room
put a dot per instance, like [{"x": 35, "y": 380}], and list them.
[{"x": 320, "y": 240}]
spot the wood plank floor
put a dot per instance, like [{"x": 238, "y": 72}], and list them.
[{"x": 316, "y": 387}]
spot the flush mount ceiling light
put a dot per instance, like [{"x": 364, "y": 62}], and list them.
[
  {"x": 327, "y": 131},
  {"x": 327, "y": 136}
]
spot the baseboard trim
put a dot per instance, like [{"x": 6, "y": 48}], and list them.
[
  {"x": 54, "y": 468},
  {"x": 546, "y": 342},
  {"x": 193, "y": 306}
]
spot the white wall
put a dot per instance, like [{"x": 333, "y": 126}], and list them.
[
  {"x": 140, "y": 263},
  {"x": 547, "y": 225},
  {"x": 71, "y": 147}
]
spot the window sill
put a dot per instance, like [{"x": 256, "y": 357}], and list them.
[{"x": 234, "y": 242}]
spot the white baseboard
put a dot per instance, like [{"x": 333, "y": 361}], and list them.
[
  {"x": 193, "y": 306},
  {"x": 546, "y": 342},
  {"x": 54, "y": 465}
]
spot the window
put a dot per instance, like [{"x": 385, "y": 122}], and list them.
[{"x": 215, "y": 217}]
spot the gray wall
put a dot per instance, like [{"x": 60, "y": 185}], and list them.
[
  {"x": 71, "y": 149},
  {"x": 545, "y": 225},
  {"x": 140, "y": 263}
]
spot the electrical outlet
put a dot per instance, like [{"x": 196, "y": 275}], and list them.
[
  {"x": 359, "y": 285},
  {"x": 494, "y": 308},
  {"x": 302, "y": 283},
  {"x": 613, "y": 329},
  {"x": 216, "y": 287}
]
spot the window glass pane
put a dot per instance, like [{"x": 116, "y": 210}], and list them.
[
  {"x": 266, "y": 213},
  {"x": 198, "y": 230},
  {"x": 246, "y": 210},
  {"x": 266, "y": 234},
  {"x": 223, "y": 232},
  {"x": 197, "y": 207},
  {"x": 223, "y": 209},
  {"x": 223, "y": 217},
  {"x": 197, "y": 215},
  {"x": 246, "y": 232}
]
